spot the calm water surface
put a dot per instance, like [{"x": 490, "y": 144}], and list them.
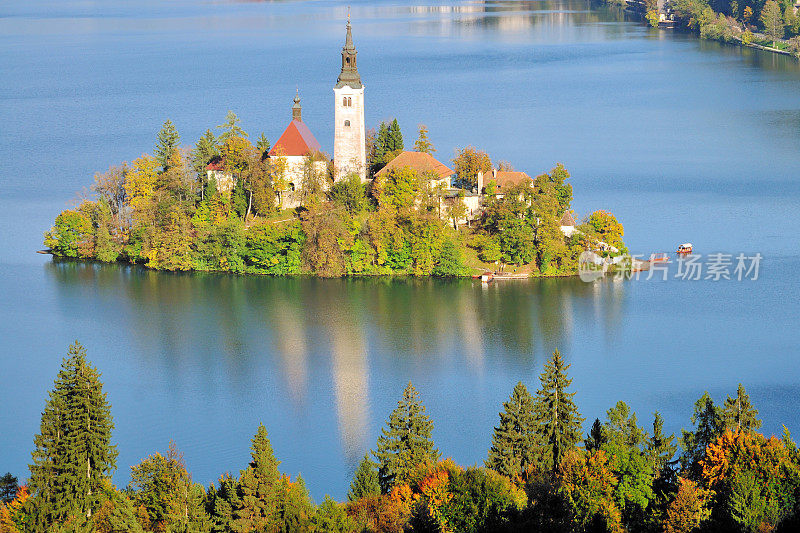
[{"x": 682, "y": 139}]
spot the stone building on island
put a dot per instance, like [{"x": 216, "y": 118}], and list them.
[
  {"x": 434, "y": 172},
  {"x": 349, "y": 141},
  {"x": 293, "y": 149}
]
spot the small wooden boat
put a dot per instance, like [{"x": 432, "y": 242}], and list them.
[
  {"x": 685, "y": 248},
  {"x": 659, "y": 257}
]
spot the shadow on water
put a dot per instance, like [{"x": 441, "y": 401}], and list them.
[
  {"x": 413, "y": 319},
  {"x": 207, "y": 329}
]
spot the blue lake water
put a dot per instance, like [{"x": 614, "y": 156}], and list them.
[{"x": 682, "y": 139}]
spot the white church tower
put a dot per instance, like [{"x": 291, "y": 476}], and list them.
[{"x": 349, "y": 142}]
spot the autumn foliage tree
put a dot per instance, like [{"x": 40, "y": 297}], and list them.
[
  {"x": 469, "y": 161},
  {"x": 587, "y": 485},
  {"x": 752, "y": 477}
]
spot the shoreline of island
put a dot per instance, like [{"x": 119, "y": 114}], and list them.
[{"x": 227, "y": 205}]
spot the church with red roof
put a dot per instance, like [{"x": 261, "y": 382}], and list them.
[
  {"x": 294, "y": 146},
  {"x": 297, "y": 140}
]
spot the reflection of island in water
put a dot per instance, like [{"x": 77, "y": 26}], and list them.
[{"x": 348, "y": 330}]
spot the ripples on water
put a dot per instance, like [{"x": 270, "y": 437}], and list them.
[{"x": 682, "y": 139}]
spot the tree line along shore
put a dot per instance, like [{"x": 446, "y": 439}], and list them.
[
  {"x": 540, "y": 473},
  {"x": 168, "y": 211},
  {"x": 772, "y": 25}
]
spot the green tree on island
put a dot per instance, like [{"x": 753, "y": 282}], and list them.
[
  {"x": 394, "y": 140},
  {"x": 167, "y": 145},
  {"x": 423, "y": 144},
  {"x": 405, "y": 442},
  {"x": 263, "y": 144},
  {"x": 557, "y": 416},
  {"x": 72, "y": 453},
  {"x": 514, "y": 442},
  {"x": 230, "y": 128},
  {"x": 468, "y": 162}
]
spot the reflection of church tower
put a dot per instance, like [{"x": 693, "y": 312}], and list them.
[{"x": 349, "y": 142}]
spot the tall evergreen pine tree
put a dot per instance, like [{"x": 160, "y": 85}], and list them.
[
  {"x": 558, "y": 420},
  {"x": 707, "y": 419},
  {"x": 365, "y": 481},
  {"x": 205, "y": 149},
  {"x": 514, "y": 441},
  {"x": 395, "y": 138},
  {"x": 660, "y": 448},
  {"x": 259, "y": 491},
  {"x": 167, "y": 145},
  {"x": 738, "y": 414},
  {"x": 72, "y": 452},
  {"x": 296, "y": 511},
  {"x": 406, "y": 442},
  {"x": 595, "y": 439},
  {"x": 381, "y": 142},
  {"x": 263, "y": 144}
]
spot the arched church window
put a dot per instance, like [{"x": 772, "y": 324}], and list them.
[
  {"x": 344, "y": 101},
  {"x": 347, "y": 60},
  {"x": 346, "y": 123},
  {"x": 291, "y": 186}
]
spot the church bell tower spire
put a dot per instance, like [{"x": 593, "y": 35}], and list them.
[
  {"x": 349, "y": 74},
  {"x": 349, "y": 142},
  {"x": 296, "y": 109}
]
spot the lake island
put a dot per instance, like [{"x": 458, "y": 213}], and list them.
[{"x": 228, "y": 205}]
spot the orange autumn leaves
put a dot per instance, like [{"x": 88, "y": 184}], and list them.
[
  {"x": 10, "y": 513},
  {"x": 587, "y": 484},
  {"x": 441, "y": 497},
  {"x": 737, "y": 452}
]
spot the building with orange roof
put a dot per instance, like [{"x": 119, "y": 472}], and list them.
[
  {"x": 503, "y": 180},
  {"x": 424, "y": 164},
  {"x": 294, "y": 147}
]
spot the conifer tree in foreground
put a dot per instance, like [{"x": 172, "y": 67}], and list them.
[
  {"x": 595, "y": 439},
  {"x": 660, "y": 448},
  {"x": 163, "y": 487},
  {"x": 167, "y": 145},
  {"x": 365, "y": 481},
  {"x": 259, "y": 494},
  {"x": 738, "y": 414},
  {"x": 72, "y": 452},
  {"x": 406, "y": 442},
  {"x": 514, "y": 441},
  {"x": 707, "y": 419},
  {"x": 558, "y": 420}
]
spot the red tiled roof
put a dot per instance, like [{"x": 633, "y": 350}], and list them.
[
  {"x": 297, "y": 139},
  {"x": 216, "y": 163},
  {"x": 421, "y": 162},
  {"x": 509, "y": 178}
]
